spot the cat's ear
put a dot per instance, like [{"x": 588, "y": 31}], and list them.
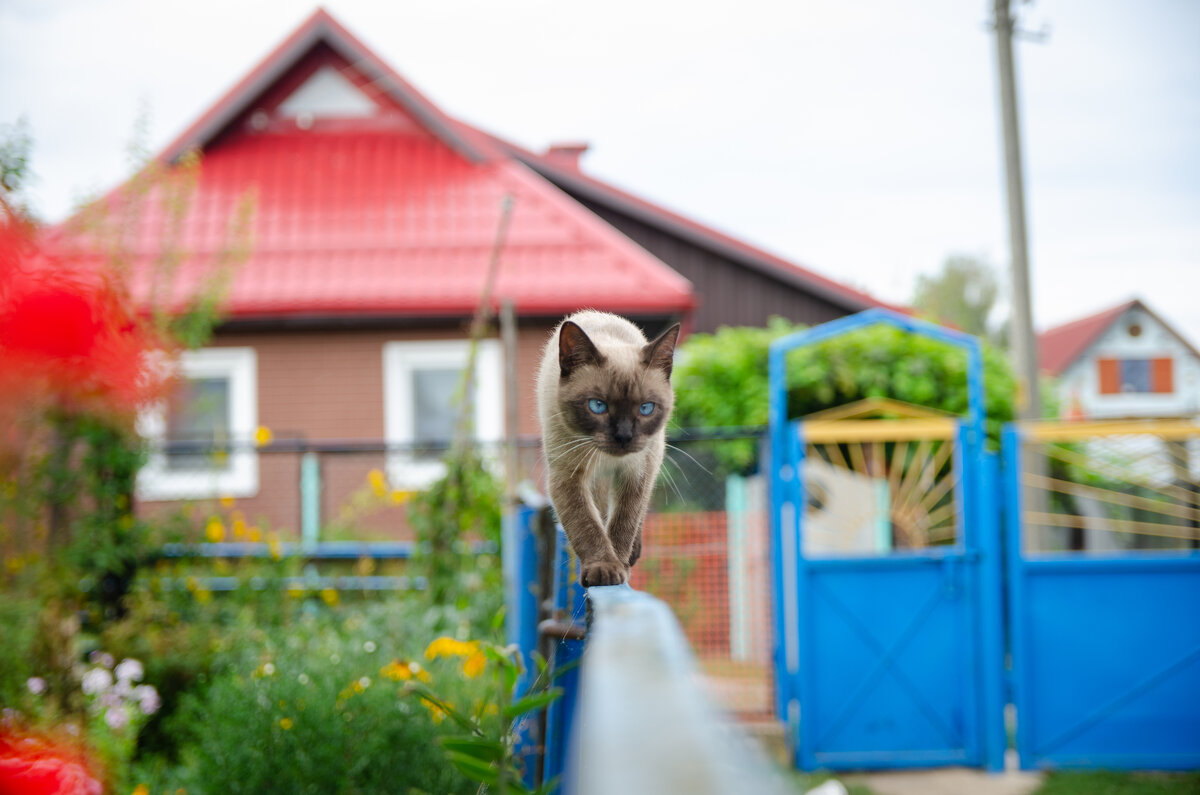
[
  {"x": 575, "y": 349},
  {"x": 661, "y": 352}
]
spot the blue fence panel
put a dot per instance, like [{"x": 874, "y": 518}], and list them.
[{"x": 1106, "y": 651}]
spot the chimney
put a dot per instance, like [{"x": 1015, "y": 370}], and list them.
[{"x": 566, "y": 154}]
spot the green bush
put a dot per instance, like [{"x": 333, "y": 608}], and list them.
[
  {"x": 318, "y": 707},
  {"x": 721, "y": 378}
]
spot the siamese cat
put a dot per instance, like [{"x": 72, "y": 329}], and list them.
[{"x": 604, "y": 398}]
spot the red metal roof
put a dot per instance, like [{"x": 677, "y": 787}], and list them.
[
  {"x": 1060, "y": 346},
  {"x": 391, "y": 213},
  {"x": 378, "y": 223}
]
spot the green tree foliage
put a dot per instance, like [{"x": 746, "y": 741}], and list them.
[
  {"x": 963, "y": 294},
  {"x": 15, "y": 146},
  {"x": 721, "y": 378}
]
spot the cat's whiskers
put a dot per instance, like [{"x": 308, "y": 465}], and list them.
[
  {"x": 665, "y": 475},
  {"x": 678, "y": 449},
  {"x": 567, "y": 449},
  {"x": 569, "y": 441}
]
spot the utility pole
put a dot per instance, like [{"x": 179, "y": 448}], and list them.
[{"x": 1024, "y": 348}]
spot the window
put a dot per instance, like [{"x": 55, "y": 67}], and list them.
[
  {"x": 420, "y": 390},
  {"x": 1136, "y": 376},
  {"x": 202, "y": 436}
]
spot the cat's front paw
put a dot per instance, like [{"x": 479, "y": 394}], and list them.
[{"x": 603, "y": 573}]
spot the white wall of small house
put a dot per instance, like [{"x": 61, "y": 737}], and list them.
[{"x": 1079, "y": 385}]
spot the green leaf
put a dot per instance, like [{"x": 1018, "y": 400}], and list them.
[
  {"x": 481, "y": 748},
  {"x": 454, "y": 714},
  {"x": 532, "y": 702},
  {"x": 473, "y": 768}
]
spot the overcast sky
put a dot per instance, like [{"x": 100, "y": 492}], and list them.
[{"x": 859, "y": 138}]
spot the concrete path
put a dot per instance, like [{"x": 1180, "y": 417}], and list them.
[{"x": 948, "y": 781}]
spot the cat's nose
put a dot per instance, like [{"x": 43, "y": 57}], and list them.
[{"x": 623, "y": 432}]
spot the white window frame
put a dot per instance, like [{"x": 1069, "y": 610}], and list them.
[
  {"x": 400, "y": 359},
  {"x": 240, "y": 479}
]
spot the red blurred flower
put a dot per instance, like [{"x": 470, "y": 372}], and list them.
[
  {"x": 68, "y": 336},
  {"x": 33, "y": 766}
]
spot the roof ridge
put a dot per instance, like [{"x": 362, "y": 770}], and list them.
[
  {"x": 322, "y": 26},
  {"x": 1092, "y": 317}
]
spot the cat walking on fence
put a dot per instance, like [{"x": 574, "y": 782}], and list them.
[{"x": 604, "y": 398}]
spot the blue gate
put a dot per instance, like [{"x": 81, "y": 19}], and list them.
[
  {"x": 886, "y": 577},
  {"x": 1105, "y": 637}
]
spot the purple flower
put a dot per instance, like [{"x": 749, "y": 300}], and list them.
[
  {"x": 147, "y": 698},
  {"x": 117, "y": 717},
  {"x": 130, "y": 670},
  {"x": 36, "y": 685},
  {"x": 97, "y": 680},
  {"x": 101, "y": 658}
]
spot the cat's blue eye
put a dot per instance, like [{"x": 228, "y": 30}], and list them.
[
  {"x": 646, "y": 409},
  {"x": 597, "y": 406}
]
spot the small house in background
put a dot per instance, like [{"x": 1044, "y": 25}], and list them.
[
  {"x": 1124, "y": 362},
  {"x": 376, "y": 218}
]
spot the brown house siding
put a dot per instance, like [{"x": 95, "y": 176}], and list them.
[
  {"x": 326, "y": 386},
  {"x": 728, "y": 293}
]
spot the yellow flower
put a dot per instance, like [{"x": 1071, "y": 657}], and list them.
[
  {"x": 254, "y": 534},
  {"x": 473, "y": 666},
  {"x": 140, "y": 789},
  {"x": 239, "y": 524},
  {"x": 295, "y": 590},
  {"x": 399, "y": 496},
  {"x": 227, "y": 502},
  {"x": 263, "y": 436},
  {"x": 401, "y": 671},
  {"x": 447, "y": 646},
  {"x": 285, "y": 723},
  {"x": 330, "y": 596},
  {"x": 435, "y": 712},
  {"x": 396, "y": 670},
  {"x": 214, "y": 531},
  {"x": 203, "y": 596},
  {"x": 378, "y": 482}
]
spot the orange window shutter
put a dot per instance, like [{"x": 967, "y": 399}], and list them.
[
  {"x": 1162, "y": 376},
  {"x": 1110, "y": 376}
]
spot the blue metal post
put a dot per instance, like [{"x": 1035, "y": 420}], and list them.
[
  {"x": 569, "y": 597},
  {"x": 991, "y": 613},
  {"x": 518, "y": 555},
  {"x": 1011, "y": 450}
]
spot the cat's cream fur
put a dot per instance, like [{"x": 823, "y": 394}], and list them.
[{"x": 601, "y": 468}]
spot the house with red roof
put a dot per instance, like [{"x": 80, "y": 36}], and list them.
[
  {"x": 378, "y": 219},
  {"x": 1123, "y": 362}
]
